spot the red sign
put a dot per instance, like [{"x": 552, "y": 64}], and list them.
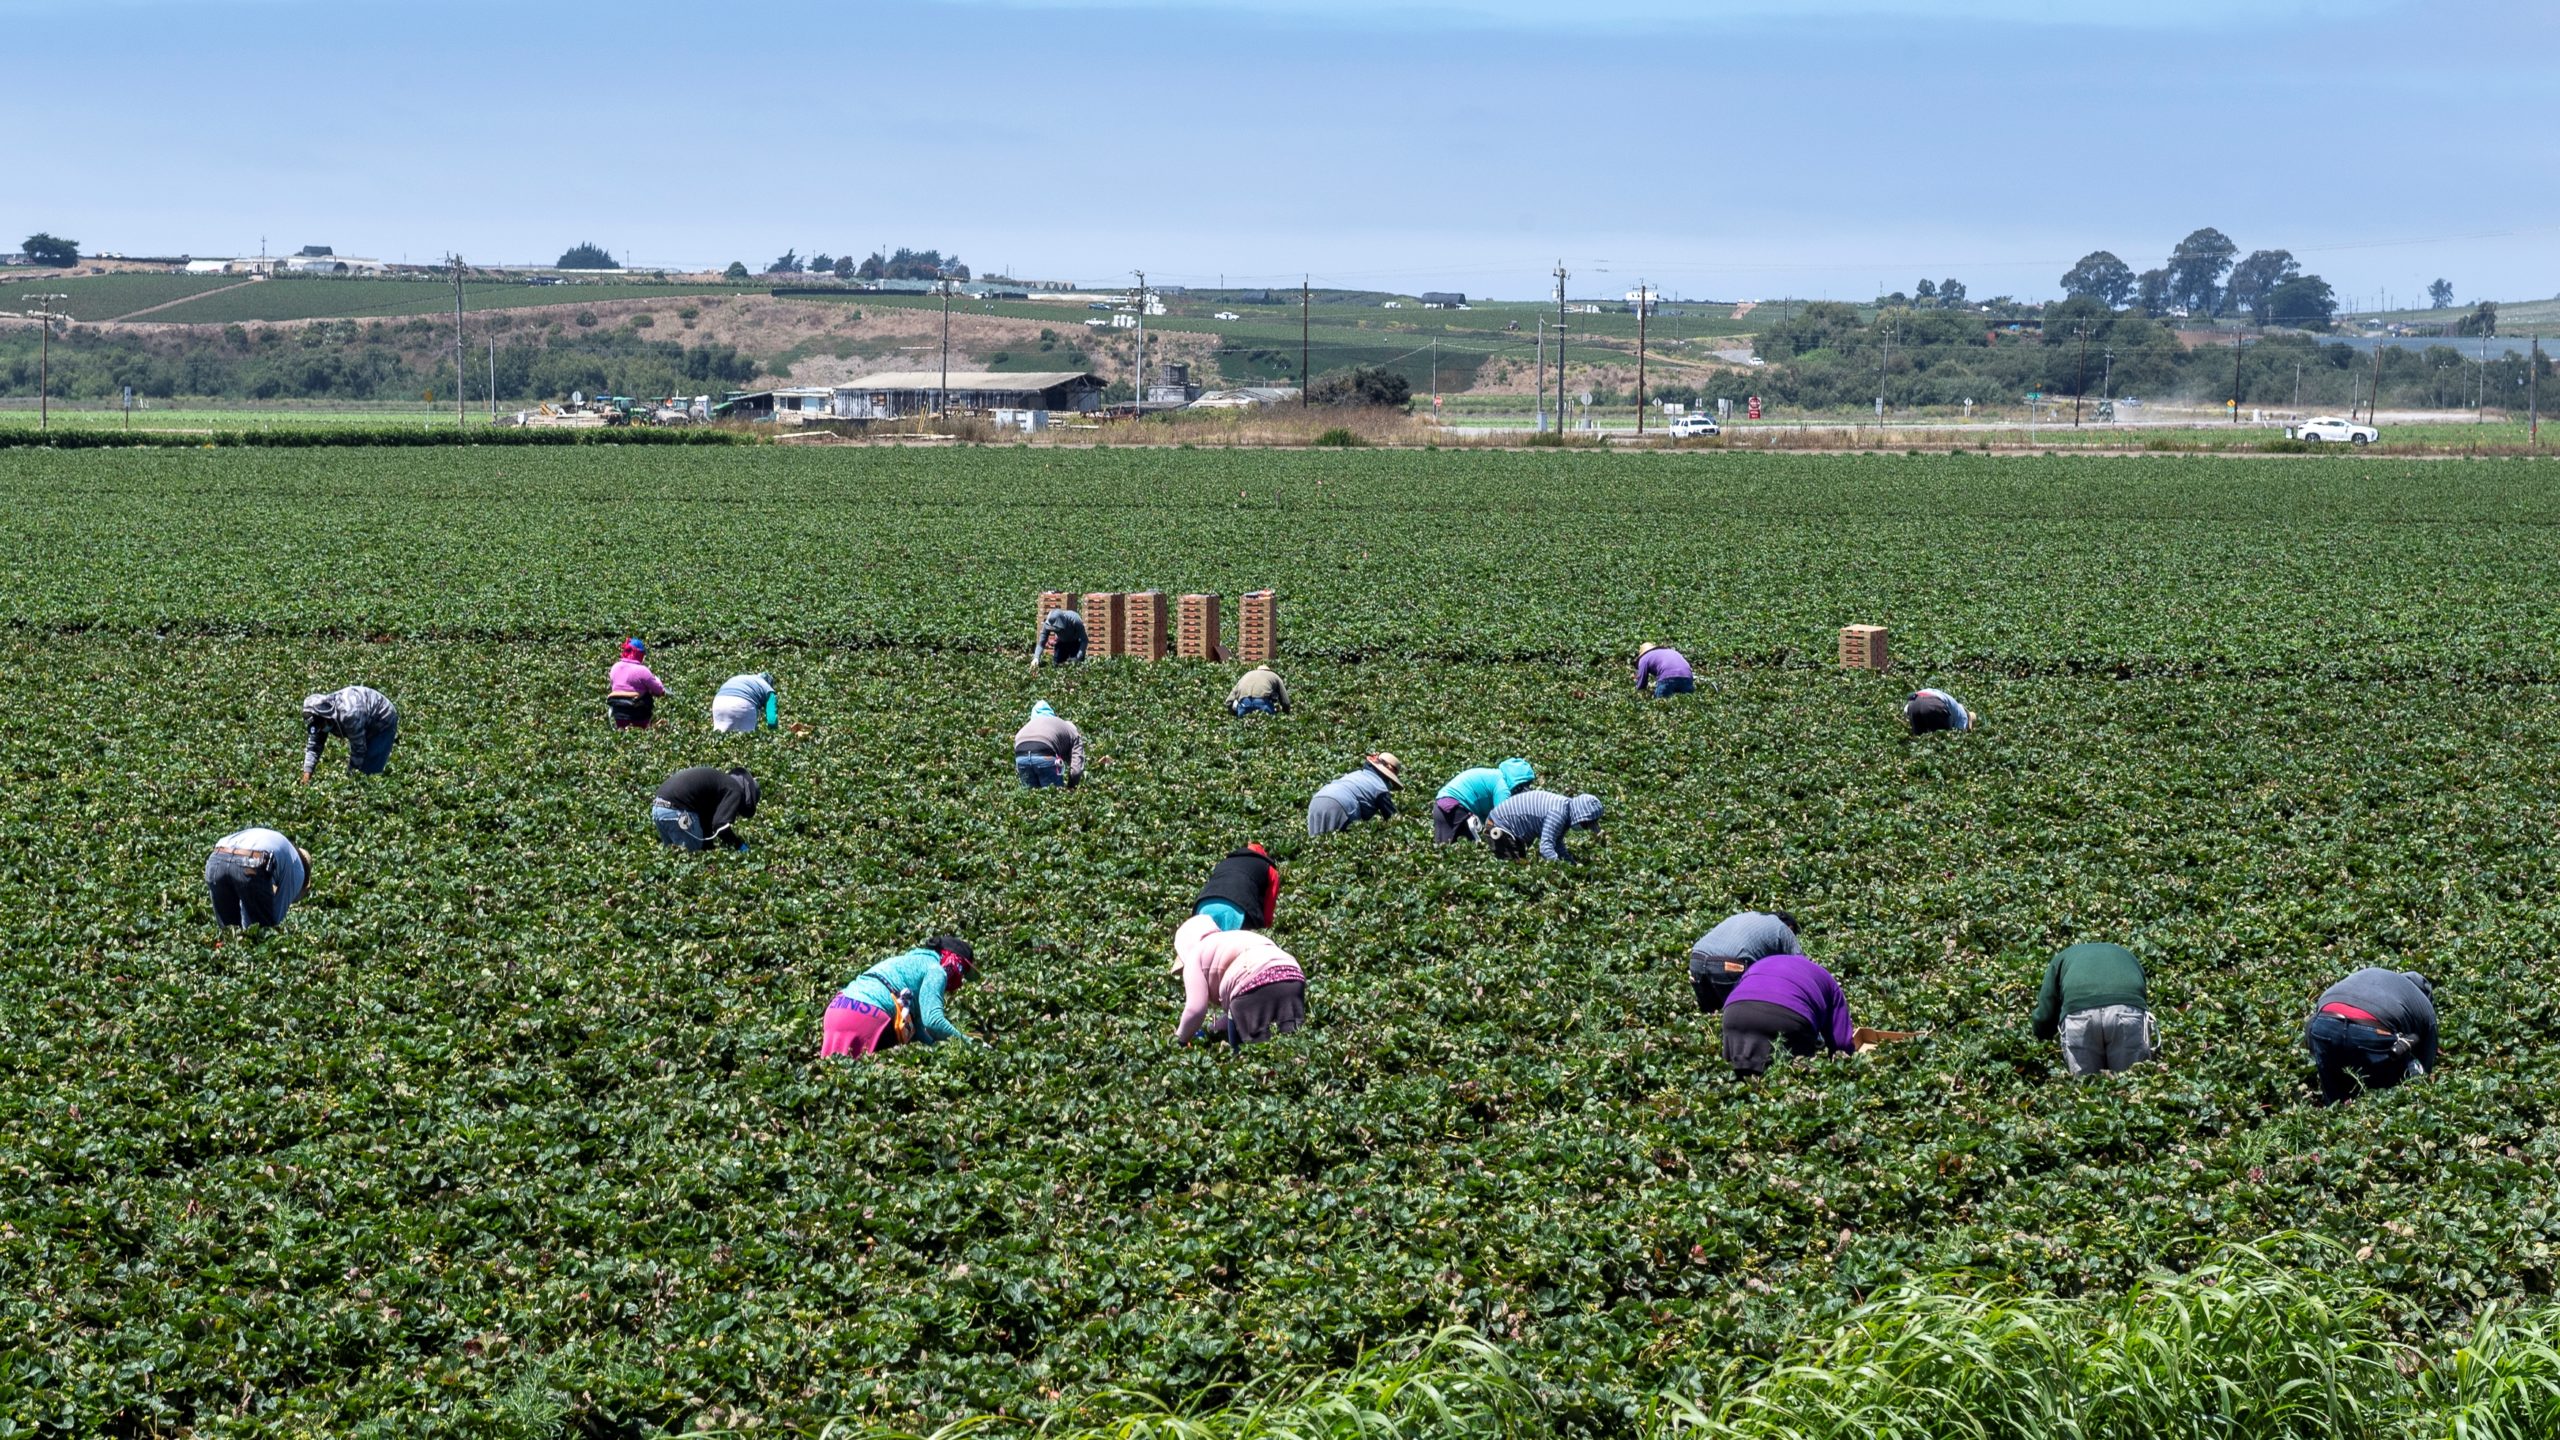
[{"x": 1755, "y": 407}]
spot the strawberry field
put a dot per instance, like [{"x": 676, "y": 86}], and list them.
[{"x": 516, "y": 1126}]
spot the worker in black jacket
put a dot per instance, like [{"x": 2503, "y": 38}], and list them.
[
  {"x": 1243, "y": 892},
  {"x": 700, "y": 805}
]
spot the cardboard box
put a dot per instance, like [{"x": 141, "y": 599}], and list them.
[
  {"x": 1106, "y": 622},
  {"x": 1864, "y": 647},
  {"x": 1197, "y": 629},
  {"x": 1258, "y": 628},
  {"x": 1146, "y": 629},
  {"x": 1863, "y": 1039}
]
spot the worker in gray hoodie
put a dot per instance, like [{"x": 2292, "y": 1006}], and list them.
[
  {"x": 1542, "y": 813},
  {"x": 359, "y": 714},
  {"x": 2371, "y": 1031},
  {"x": 1047, "y": 751}
]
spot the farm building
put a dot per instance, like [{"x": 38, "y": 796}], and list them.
[
  {"x": 902, "y": 393},
  {"x": 1443, "y": 299}
]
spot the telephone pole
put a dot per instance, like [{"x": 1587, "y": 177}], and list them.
[
  {"x": 44, "y": 316},
  {"x": 1560, "y": 278},
  {"x": 2237, "y": 341},
  {"x": 2082, "y": 383},
  {"x": 2533, "y": 395},
  {"x": 461, "y": 386},
  {"x": 942, "y": 397},
  {"x": 1306, "y": 382},
  {"x": 1542, "y": 374},
  {"x": 1644, "y": 302},
  {"x": 1138, "y": 384}
]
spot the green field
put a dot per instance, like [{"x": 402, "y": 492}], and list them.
[
  {"x": 515, "y": 1128},
  {"x": 109, "y": 297}
]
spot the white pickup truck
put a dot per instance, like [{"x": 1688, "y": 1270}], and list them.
[
  {"x": 2330, "y": 429},
  {"x": 1684, "y": 426}
]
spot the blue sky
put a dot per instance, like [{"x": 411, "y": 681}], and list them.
[{"x": 1724, "y": 148}]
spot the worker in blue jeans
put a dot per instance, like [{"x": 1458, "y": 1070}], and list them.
[
  {"x": 254, "y": 876},
  {"x": 2371, "y": 1031}
]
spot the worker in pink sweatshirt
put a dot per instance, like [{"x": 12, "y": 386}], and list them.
[
  {"x": 1256, "y": 984},
  {"x": 633, "y": 690}
]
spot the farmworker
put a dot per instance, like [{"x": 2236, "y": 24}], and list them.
[
  {"x": 1061, "y": 638},
  {"x": 1256, "y": 985},
  {"x": 1735, "y": 944},
  {"x": 1243, "y": 892},
  {"x": 699, "y": 805},
  {"x": 1664, "y": 671},
  {"x": 2096, "y": 998},
  {"x": 359, "y": 714},
  {"x": 1259, "y": 691},
  {"x": 1784, "y": 998},
  {"x": 1048, "y": 751},
  {"x": 899, "y": 1000},
  {"x": 743, "y": 703},
  {"x": 1367, "y": 793},
  {"x": 2372, "y": 1030},
  {"x": 254, "y": 876},
  {"x": 632, "y": 690},
  {"x": 1542, "y": 813},
  {"x": 1462, "y": 807},
  {"x": 1929, "y": 710}
]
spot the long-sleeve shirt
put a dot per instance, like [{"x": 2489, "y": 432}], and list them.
[
  {"x": 1362, "y": 794},
  {"x": 1797, "y": 984},
  {"x": 353, "y": 714},
  {"x": 1479, "y": 789},
  {"x": 1062, "y": 633},
  {"x": 1660, "y": 665},
  {"x": 1049, "y": 735},
  {"x": 1250, "y": 882},
  {"x": 280, "y": 853},
  {"x": 1548, "y": 815},
  {"x": 754, "y": 689},
  {"x": 1217, "y": 965},
  {"x": 1261, "y": 683},
  {"x": 2396, "y": 1003},
  {"x": 635, "y": 677},
  {"x": 2087, "y": 976},
  {"x": 720, "y": 798},
  {"x": 920, "y": 971},
  {"x": 1749, "y": 936}
]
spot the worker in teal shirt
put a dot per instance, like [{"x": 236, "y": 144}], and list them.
[
  {"x": 861, "y": 1018},
  {"x": 1463, "y": 805}
]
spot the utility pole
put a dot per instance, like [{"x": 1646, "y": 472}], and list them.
[
  {"x": 461, "y": 400},
  {"x": 1138, "y": 387},
  {"x": 2236, "y": 341},
  {"x": 2373, "y": 402},
  {"x": 44, "y": 316},
  {"x": 2297, "y": 384},
  {"x": 1542, "y": 374},
  {"x": 1560, "y": 278},
  {"x": 1306, "y": 381},
  {"x": 942, "y": 397},
  {"x": 1644, "y": 299},
  {"x": 493, "y": 379},
  {"x": 2533, "y": 395},
  {"x": 2107, "y": 377},
  {"x": 2080, "y": 385}
]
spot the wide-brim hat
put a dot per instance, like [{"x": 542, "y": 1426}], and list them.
[{"x": 1386, "y": 767}]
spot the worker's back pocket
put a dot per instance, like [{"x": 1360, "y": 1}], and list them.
[{"x": 1713, "y": 977}]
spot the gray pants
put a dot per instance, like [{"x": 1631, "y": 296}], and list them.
[
  {"x": 2111, "y": 1037},
  {"x": 1325, "y": 816}
]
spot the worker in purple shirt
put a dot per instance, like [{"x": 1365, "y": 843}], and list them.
[
  {"x": 1664, "y": 671},
  {"x": 1784, "y": 999}
]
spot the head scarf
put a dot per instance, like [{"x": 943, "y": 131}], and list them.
[
  {"x": 1041, "y": 707},
  {"x": 635, "y": 648}
]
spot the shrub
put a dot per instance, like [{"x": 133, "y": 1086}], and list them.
[
  {"x": 1365, "y": 385},
  {"x": 586, "y": 318},
  {"x": 1340, "y": 437}
]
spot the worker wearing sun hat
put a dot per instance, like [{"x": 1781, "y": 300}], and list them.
[
  {"x": 1927, "y": 710},
  {"x": 1664, "y": 671},
  {"x": 900, "y": 1000},
  {"x": 632, "y": 689},
  {"x": 1367, "y": 793},
  {"x": 1047, "y": 751},
  {"x": 1243, "y": 973},
  {"x": 1464, "y": 805}
]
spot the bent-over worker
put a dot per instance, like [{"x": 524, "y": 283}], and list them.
[
  {"x": 358, "y": 714},
  {"x": 1047, "y": 751},
  {"x": 1542, "y": 813},
  {"x": 1257, "y": 985},
  {"x": 1259, "y": 691},
  {"x": 2371, "y": 1031},
  {"x": 1061, "y": 638},
  {"x": 1664, "y": 671},
  {"x": 899, "y": 1000},
  {"x": 1784, "y": 999},
  {"x": 632, "y": 690},
  {"x": 1464, "y": 805},
  {"x": 2097, "y": 999},
  {"x": 700, "y": 805},
  {"x": 1364, "y": 794},
  {"x": 1243, "y": 892},
  {"x": 744, "y": 702},
  {"x": 253, "y": 876},
  {"x": 1927, "y": 710},
  {"x": 1736, "y": 944}
]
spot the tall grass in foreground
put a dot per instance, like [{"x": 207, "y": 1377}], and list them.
[{"x": 2241, "y": 1349}]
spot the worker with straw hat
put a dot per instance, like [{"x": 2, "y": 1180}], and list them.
[
  {"x": 1664, "y": 671},
  {"x": 1367, "y": 793}
]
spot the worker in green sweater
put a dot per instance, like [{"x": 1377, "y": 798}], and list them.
[{"x": 2095, "y": 997}]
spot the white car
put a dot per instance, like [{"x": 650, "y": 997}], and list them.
[
  {"x": 1226, "y": 315},
  {"x": 1686, "y": 426},
  {"x": 2333, "y": 430}
]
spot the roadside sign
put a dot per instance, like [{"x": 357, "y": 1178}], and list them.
[
  {"x": 1585, "y": 397},
  {"x": 1755, "y": 407}
]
